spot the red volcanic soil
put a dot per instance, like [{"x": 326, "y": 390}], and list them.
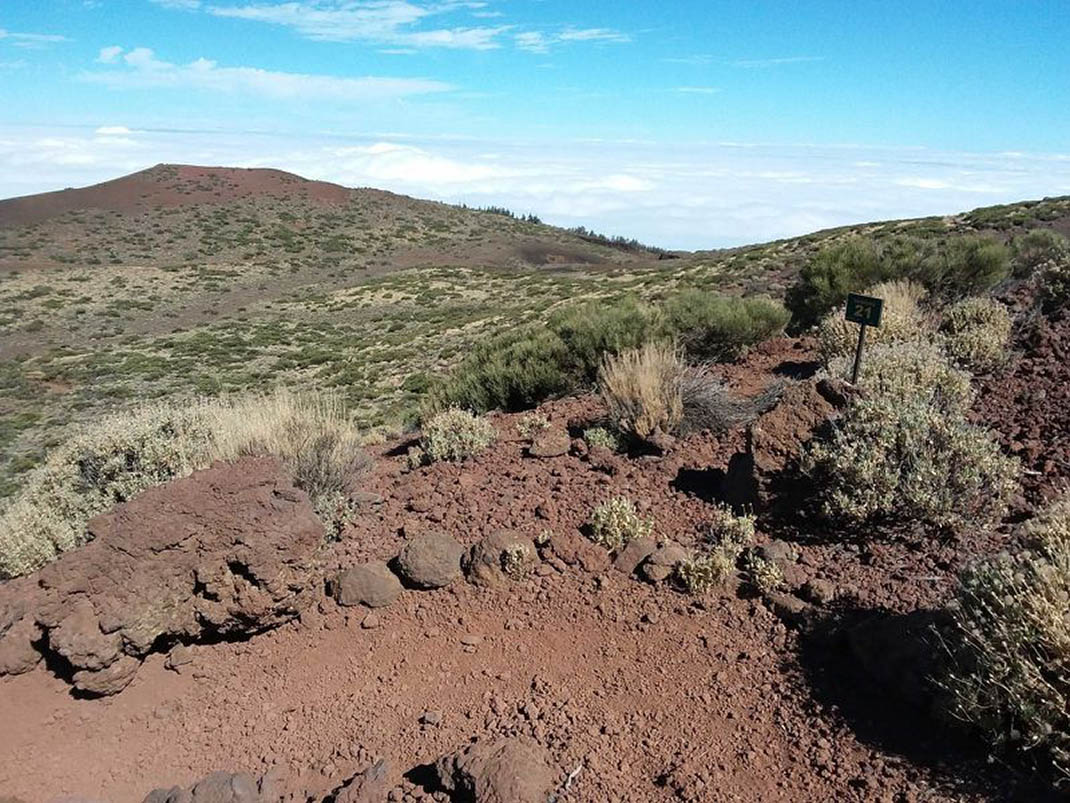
[
  {"x": 170, "y": 186},
  {"x": 638, "y": 692}
]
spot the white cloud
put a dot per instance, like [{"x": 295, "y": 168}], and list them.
[
  {"x": 143, "y": 70},
  {"x": 697, "y": 90},
  {"x": 33, "y": 41},
  {"x": 112, "y": 131},
  {"x": 593, "y": 35},
  {"x": 538, "y": 42},
  {"x": 397, "y": 24},
  {"x": 386, "y": 22},
  {"x": 776, "y": 62},
  {"x": 922, "y": 183},
  {"x": 109, "y": 55}
]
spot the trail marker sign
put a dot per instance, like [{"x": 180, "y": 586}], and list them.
[{"x": 865, "y": 311}]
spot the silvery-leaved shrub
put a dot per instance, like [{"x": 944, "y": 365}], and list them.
[
  {"x": 1053, "y": 278},
  {"x": 456, "y": 434},
  {"x": 905, "y": 447},
  {"x": 976, "y": 332},
  {"x": 714, "y": 560},
  {"x": 1009, "y": 673},
  {"x": 616, "y": 522}
]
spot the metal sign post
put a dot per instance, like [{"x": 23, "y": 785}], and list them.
[{"x": 865, "y": 311}]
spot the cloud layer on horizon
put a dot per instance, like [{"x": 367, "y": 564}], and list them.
[{"x": 694, "y": 196}]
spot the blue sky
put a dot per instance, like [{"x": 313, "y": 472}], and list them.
[{"x": 687, "y": 124}]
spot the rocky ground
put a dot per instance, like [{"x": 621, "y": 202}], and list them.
[{"x": 547, "y": 672}]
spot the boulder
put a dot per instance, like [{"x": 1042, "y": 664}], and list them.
[
  {"x": 506, "y": 770},
  {"x": 228, "y": 551},
  {"x": 431, "y": 561},
  {"x": 575, "y": 550},
  {"x": 502, "y": 554},
  {"x": 634, "y": 553},
  {"x": 219, "y": 787},
  {"x": 110, "y": 680},
  {"x": 550, "y": 443},
  {"x": 662, "y": 562},
  {"x": 371, "y": 584},
  {"x": 17, "y": 651},
  {"x": 370, "y": 786}
]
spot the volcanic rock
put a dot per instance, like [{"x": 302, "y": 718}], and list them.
[
  {"x": 507, "y": 770},
  {"x": 501, "y": 554},
  {"x": 431, "y": 561},
  {"x": 550, "y": 443},
  {"x": 662, "y": 562},
  {"x": 371, "y": 584},
  {"x": 227, "y": 551}
]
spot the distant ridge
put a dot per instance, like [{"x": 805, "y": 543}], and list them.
[{"x": 171, "y": 185}]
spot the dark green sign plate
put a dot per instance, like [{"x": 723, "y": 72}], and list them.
[{"x": 864, "y": 309}]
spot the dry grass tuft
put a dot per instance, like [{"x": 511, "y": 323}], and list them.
[
  {"x": 120, "y": 455},
  {"x": 642, "y": 390}
]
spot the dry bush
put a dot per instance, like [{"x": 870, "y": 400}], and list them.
[
  {"x": 1010, "y": 649},
  {"x": 456, "y": 434},
  {"x": 616, "y": 522},
  {"x": 112, "y": 460},
  {"x": 977, "y": 331},
  {"x": 311, "y": 434},
  {"x": 642, "y": 390},
  {"x": 902, "y": 319},
  {"x": 709, "y": 405},
  {"x": 1053, "y": 278},
  {"x": 906, "y": 448}
]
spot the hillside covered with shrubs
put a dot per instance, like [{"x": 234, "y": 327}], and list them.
[{"x": 762, "y": 557}]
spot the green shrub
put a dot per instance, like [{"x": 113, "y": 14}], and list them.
[
  {"x": 977, "y": 331},
  {"x": 456, "y": 434},
  {"x": 825, "y": 281},
  {"x": 520, "y": 368},
  {"x": 509, "y": 371},
  {"x": 902, "y": 319},
  {"x": 716, "y": 328},
  {"x": 905, "y": 448},
  {"x": 964, "y": 265},
  {"x": 950, "y": 267},
  {"x": 641, "y": 389},
  {"x": 592, "y": 330},
  {"x": 616, "y": 522},
  {"x": 1010, "y": 670},
  {"x": 1036, "y": 247},
  {"x": 114, "y": 459}
]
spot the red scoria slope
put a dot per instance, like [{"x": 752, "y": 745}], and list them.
[
  {"x": 168, "y": 186},
  {"x": 638, "y": 692}
]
